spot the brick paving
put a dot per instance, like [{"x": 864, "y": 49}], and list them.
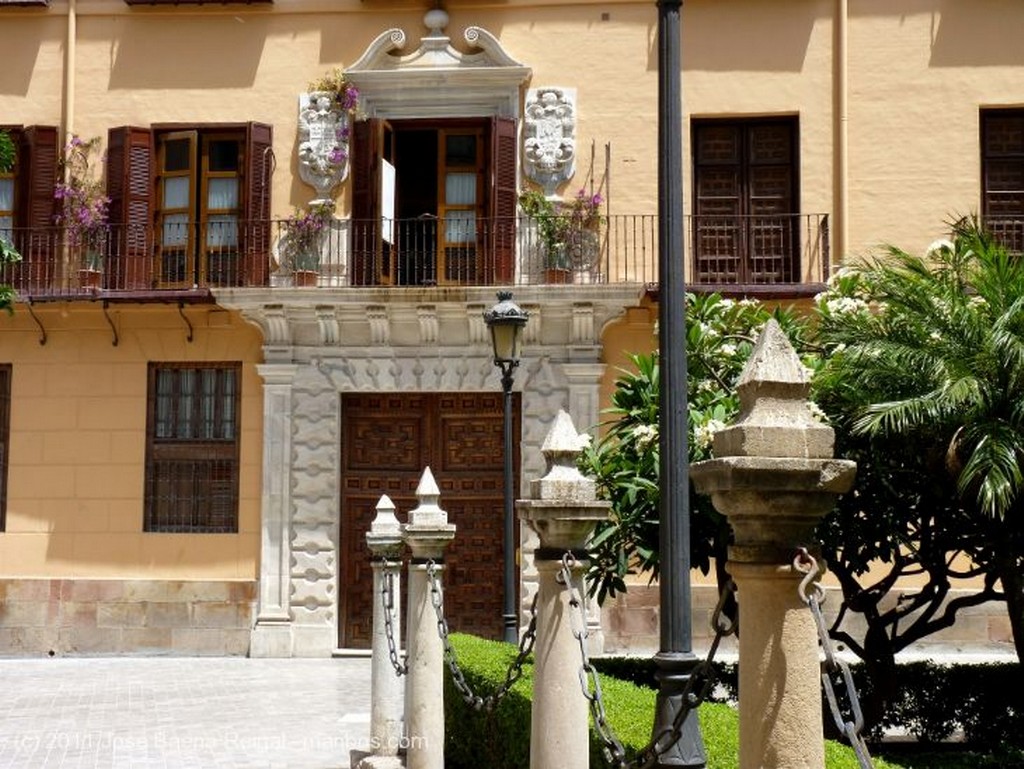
[{"x": 182, "y": 712}]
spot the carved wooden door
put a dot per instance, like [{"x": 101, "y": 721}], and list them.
[{"x": 387, "y": 439}]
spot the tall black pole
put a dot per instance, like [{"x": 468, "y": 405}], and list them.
[
  {"x": 511, "y": 631},
  {"x": 675, "y": 659}
]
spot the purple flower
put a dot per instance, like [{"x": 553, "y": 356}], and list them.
[{"x": 350, "y": 98}]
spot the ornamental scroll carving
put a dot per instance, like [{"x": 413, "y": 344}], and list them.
[
  {"x": 323, "y": 142},
  {"x": 549, "y": 141}
]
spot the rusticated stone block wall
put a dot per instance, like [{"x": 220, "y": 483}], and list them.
[{"x": 146, "y": 617}]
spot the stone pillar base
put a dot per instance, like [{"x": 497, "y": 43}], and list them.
[
  {"x": 313, "y": 640},
  {"x": 271, "y": 639}
]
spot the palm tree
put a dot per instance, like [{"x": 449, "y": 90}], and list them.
[{"x": 930, "y": 351}]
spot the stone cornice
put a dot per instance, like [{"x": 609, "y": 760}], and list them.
[{"x": 391, "y": 320}]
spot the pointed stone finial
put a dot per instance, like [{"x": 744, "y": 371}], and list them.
[
  {"x": 428, "y": 512},
  {"x": 386, "y": 522},
  {"x": 775, "y": 419},
  {"x": 563, "y": 481},
  {"x": 385, "y": 535},
  {"x": 428, "y": 532}
]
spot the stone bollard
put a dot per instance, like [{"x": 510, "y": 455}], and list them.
[
  {"x": 427, "y": 534},
  {"x": 774, "y": 478},
  {"x": 385, "y": 542},
  {"x": 563, "y": 512}
]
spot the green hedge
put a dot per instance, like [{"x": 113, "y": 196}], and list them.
[
  {"x": 501, "y": 739},
  {"x": 982, "y": 702}
]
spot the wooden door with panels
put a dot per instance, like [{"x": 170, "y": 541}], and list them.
[{"x": 387, "y": 439}]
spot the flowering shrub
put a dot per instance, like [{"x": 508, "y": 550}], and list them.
[
  {"x": 83, "y": 203},
  {"x": 344, "y": 93},
  {"x": 720, "y": 333},
  {"x": 561, "y": 224},
  {"x": 303, "y": 236}
]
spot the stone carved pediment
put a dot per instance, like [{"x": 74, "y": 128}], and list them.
[{"x": 436, "y": 79}]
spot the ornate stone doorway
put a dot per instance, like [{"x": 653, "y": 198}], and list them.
[{"x": 386, "y": 441}]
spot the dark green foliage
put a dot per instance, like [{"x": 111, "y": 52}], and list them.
[
  {"x": 477, "y": 738},
  {"x": 923, "y": 381},
  {"x": 720, "y": 334},
  {"x": 8, "y": 254},
  {"x": 6, "y": 152},
  {"x": 983, "y": 701},
  {"x": 501, "y": 740}
]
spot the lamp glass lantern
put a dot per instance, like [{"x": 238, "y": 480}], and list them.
[{"x": 505, "y": 321}]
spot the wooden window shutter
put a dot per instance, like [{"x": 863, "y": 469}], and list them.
[
  {"x": 37, "y": 175},
  {"x": 130, "y": 189},
  {"x": 36, "y": 207},
  {"x": 501, "y": 250},
  {"x": 259, "y": 161},
  {"x": 367, "y": 140},
  {"x": 5, "y": 434}
]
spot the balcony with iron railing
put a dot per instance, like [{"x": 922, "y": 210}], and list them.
[{"x": 776, "y": 254}]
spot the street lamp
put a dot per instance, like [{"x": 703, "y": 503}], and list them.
[
  {"x": 675, "y": 659},
  {"x": 505, "y": 321}
]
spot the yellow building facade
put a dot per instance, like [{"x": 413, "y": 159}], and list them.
[{"x": 198, "y": 433}]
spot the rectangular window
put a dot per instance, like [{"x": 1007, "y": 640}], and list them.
[
  {"x": 1002, "y": 175},
  {"x": 5, "y": 437},
  {"x": 199, "y": 206},
  {"x": 455, "y": 201},
  {"x": 745, "y": 198},
  {"x": 192, "y": 445}
]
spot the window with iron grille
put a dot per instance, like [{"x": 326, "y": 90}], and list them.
[
  {"x": 5, "y": 434},
  {"x": 745, "y": 198},
  {"x": 1002, "y": 175},
  {"x": 192, "y": 447}
]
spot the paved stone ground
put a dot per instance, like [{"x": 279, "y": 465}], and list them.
[{"x": 179, "y": 713}]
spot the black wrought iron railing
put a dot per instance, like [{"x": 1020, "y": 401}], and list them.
[{"x": 722, "y": 251}]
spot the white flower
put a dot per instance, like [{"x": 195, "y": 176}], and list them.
[
  {"x": 938, "y": 246},
  {"x": 727, "y": 349},
  {"x": 645, "y": 435},
  {"x": 704, "y": 433},
  {"x": 846, "y": 305},
  {"x": 816, "y": 412}
]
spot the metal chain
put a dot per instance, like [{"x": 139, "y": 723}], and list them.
[
  {"x": 515, "y": 669},
  {"x": 695, "y": 692},
  {"x": 387, "y": 593},
  {"x": 813, "y": 595}
]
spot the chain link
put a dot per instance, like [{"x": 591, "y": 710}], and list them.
[
  {"x": 387, "y": 593},
  {"x": 515, "y": 669},
  {"x": 698, "y": 687},
  {"x": 813, "y": 595}
]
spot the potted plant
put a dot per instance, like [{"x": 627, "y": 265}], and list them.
[
  {"x": 564, "y": 229},
  {"x": 302, "y": 241},
  {"x": 83, "y": 208}
]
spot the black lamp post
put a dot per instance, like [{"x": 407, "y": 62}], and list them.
[
  {"x": 505, "y": 321},
  {"x": 675, "y": 659}
]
